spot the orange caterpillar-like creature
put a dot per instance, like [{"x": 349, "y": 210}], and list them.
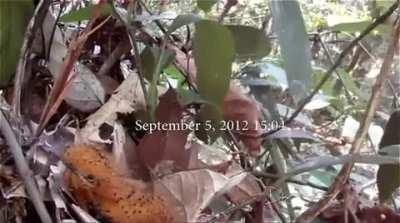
[{"x": 100, "y": 186}]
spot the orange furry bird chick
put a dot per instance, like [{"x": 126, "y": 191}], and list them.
[{"x": 100, "y": 186}]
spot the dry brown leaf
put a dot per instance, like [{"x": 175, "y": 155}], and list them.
[
  {"x": 247, "y": 188},
  {"x": 220, "y": 161},
  {"x": 169, "y": 109},
  {"x": 127, "y": 98},
  {"x": 168, "y": 145},
  {"x": 239, "y": 107},
  {"x": 195, "y": 189}
]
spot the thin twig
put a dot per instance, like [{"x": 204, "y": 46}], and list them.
[
  {"x": 354, "y": 60},
  {"x": 113, "y": 58},
  {"x": 229, "y": 4},
  {"x": 395, "y": 96},
  {"x": 53, "y": 31},
  {"x": 343, "y": 175},
  {"x": 291, "y": 180},
  {"x": 131, "y": 30},
  {"x": 23, "y": 170},
  {"x": 330, "y": 59},
  {"x": 158, "y": 23},
  {"x": 241, "y": 205},
  {"x": 65, "y": 76},
  {"x": 276, "y": 210}
]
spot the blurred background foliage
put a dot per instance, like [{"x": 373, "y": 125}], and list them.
[{"x": 14, "y": 16}]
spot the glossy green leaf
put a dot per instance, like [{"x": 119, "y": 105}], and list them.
[
  {"x": 352, "y": 27},
  {"x": 388, "y": 176},
  {"x": 85, "y": 13},
  {"x": 14, "y": 16},
  {"x": 149, "y": 59},
  {"x": 172, "y": 73},
  {"x": 206, "y": 5},
  {"x": 250, "y": 43},
  {"x": 214, "y": 54},
  {"x": 294, "y": 45},
  {"x": 183, "y": 20}
]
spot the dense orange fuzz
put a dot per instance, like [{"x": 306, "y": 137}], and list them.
[{"x": 97, "y": 183}]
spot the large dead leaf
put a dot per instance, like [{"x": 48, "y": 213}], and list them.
[
  {"x": 127, "y": 98},
  {"x": 86, "y": 92},
  {"x": 247, "y": 188},
  {"x": 197, "y": 188},
  {"x": 58, "y": 50},
  {"x": 169, "y": 109},
  {"x": 218, "y": 160},
  {"x": 168, "y": 145},
  {"x": 164, "y": 146}
]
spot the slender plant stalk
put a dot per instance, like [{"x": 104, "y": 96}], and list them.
[{"x": 23, "y": 170}]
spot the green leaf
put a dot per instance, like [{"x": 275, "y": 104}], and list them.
[
  {"x": 329, "y": 86},
  {"x": 186, "y": 97},
  {"x": 213, "y": 54},
  {"x": 384, "y": 4},
  {"x": 294, "y": 45},
  {"x": 14, "y": 16},
  {"x": 183, "y": 20},
  {"x": 388, "y": 176},
  {"x": 149, "y": 59},
  {"x": 350, "y": 85},
  {"x": 250, "y": 43},
  {"x": 352, "y": 27},
  {"x": 85, "y": 13},
  {"x": 154, "y": 60},
  {"x": 206, "y": 5},
  {"x": 171, "y": 72}
]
